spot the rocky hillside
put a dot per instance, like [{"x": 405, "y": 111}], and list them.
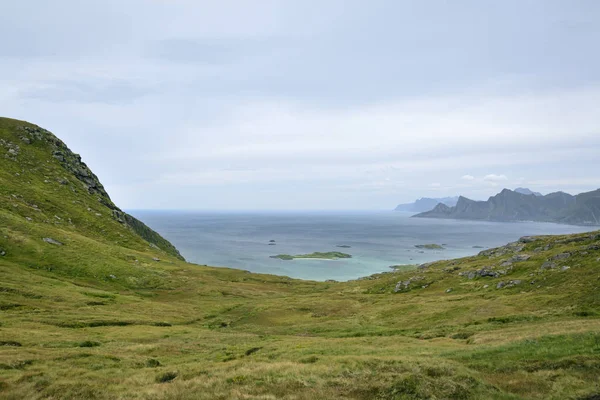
[
  {"x": 508, "y": 205},
  {"x": 39, "y": 174}
]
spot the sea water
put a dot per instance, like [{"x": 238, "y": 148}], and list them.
[{"x": 377, "y": 240}]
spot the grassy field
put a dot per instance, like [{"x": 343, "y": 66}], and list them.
[{"x": 106, "y": 315}]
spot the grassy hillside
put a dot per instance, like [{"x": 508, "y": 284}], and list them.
[
  {"x": 105, "y": 314},
  {"x": 45, "y": 182}
]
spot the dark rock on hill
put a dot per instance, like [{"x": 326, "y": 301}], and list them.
[{"x": 508, "y": 205}]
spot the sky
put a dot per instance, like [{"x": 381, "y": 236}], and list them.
[{"x": 328, "y": 104}]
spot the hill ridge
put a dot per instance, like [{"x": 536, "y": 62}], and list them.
[
  {"x": 509, "y": 205},
  {"x": 29, "y": 134}
]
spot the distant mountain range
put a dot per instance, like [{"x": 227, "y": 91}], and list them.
[
  {"x": 524, "y": 205},
  {"x": 527, "y": 191},
  {"x": 426, "y": 204}
]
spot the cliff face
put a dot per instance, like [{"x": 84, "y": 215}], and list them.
[
  {"x": 508, "y": 205},
  {"x": 35, "y": 151}
]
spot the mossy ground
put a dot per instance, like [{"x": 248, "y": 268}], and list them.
[{"x": 99, "y": 318}]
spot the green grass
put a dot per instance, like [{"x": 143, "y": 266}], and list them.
[
  {"x": 330, "y": 255},
  {"x": 98, "y": 318},
  {"x": 430, "y": 246}
]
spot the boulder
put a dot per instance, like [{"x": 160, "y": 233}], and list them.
[
  {"x": 548, "y": 265},
  {"x": 483, "y": 272},
  {"x": 565, "y": 267},
  {"x": 52, "y": 241},
  {"x": 520, "y": 257},
  {"x": 487, "y": 271},
  {"x": 508, "y": 284},
  {"x": 561, "y": 256}
]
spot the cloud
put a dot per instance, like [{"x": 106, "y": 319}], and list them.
[
  {"x": 495, "y": 178},
  {"x": 197, "y": 103}
]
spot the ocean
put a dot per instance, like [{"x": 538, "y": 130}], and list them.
[{"x": 377, "y": 239}]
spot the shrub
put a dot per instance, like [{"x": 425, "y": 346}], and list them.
[
  {"x": 237, "y": 379},
  {"x": 152, "y": 363},
  {"x": 10, "y": 343},
  {"x": 96, "y": 303},
  {"x": 166, "y": 377},
  {"x": 252, "y": 350},
  {"x": 89, "y": 343},
  {"x": 309, "y": 360},
  {"x": 6, "y": 307},
  {"x": 462, "y": 335},
  {"x": 585, "y": 313}
]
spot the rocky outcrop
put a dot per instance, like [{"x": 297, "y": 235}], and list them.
[
  {"x": 404, "y": 285},
  {"x": 483, "y": 272},
  {"x": 508, "y": 284},
  {"x": 52, "y": 241},
  {"x": 510, "y": 248},
  {"x": 508, "y": 205}
]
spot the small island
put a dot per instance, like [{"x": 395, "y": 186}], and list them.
[
  {"x": 331, "y": 255},
  {"x": 430, "y": 246},
  {"x": 343, "y": 246}
]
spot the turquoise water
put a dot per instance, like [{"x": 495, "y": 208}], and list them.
[{"x": 377, "y": 239}]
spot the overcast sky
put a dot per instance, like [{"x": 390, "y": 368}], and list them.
[{"x": 305, "y": 104}]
